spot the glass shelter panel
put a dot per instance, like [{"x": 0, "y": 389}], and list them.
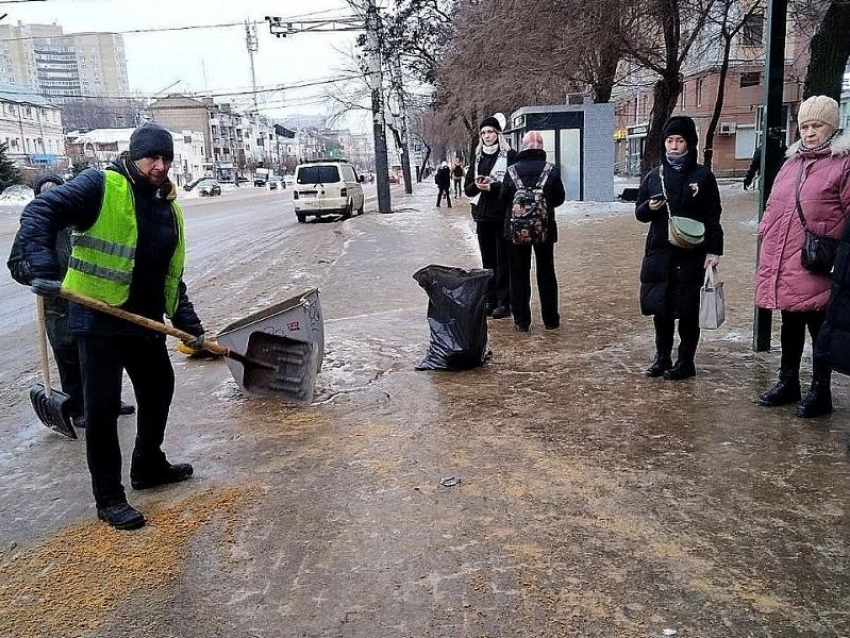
[{"x": 571, "y": 162}]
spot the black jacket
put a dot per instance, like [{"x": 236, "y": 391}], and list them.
[
  {"x": 489, "y": 207},
  {"x": 833, "y": 343},
  {"x": 671, "y": 277},
  {"x": 77, "y": 204},
  {"x": 443, "y": 178},
  {"x": 529, "y": 165}
]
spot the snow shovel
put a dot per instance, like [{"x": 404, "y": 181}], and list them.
[
  {"x": 268, "y": 361},
  {"x": 51, "y": 406}
]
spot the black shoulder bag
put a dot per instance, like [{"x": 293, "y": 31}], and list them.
[{"x": 819, "y": 251}]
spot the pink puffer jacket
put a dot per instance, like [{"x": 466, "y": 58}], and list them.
[{"x": 824, "y": 181}]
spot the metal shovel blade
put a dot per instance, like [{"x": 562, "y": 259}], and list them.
[
  {"x": 53, "y": 410},
  {"x": 293, "y": 367}
]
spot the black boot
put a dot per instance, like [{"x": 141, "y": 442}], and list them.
[
  {"x": 684, "y": 369},
  {"x": 785, "y": 390},
  {"x": 163, "y": 476},
  {"x": 818, "y": 400},
  {"x": 121, "y": 516},
  {"x": 661, "y": 365}
]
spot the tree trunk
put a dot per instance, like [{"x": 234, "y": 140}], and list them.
[
  {"x": 665, "y": 93},
  {"x": 606, "y": 78},
  {"x": 708, "y": 144},
  {"x": 830, "y": 49},
  {"x": 425, "y": 160}
]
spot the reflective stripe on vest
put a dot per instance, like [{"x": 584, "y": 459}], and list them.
[{"x": 103, "y": 257}]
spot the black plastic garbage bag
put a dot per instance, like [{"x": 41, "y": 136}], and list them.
[{"x": 457, "y": 316}]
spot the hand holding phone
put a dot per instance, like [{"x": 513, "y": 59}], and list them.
[{"x": 657, "y": 202}]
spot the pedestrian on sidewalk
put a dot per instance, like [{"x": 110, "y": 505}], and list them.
[
  {"x": 529, "y": 167},
  {"x": 671, "y": 276},
  {"x": 482, "y": 185},
  {"x": 776, "y": 140},
  {"x": 443, "y": 179},
  {"x": 811, "y": 192},
  {"x": 129, "y": 252},
  {"x": 457, "y": 176}
]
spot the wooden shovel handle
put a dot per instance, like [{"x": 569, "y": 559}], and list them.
[{"x": 156, "y": 326}]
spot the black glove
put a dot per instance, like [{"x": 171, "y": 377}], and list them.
[
  {"x": 197, "y": 343},
  {"x": 46, "y": 287}
]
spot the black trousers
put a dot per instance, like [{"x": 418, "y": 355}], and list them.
[
  {"x": 665, "y": 327},
  {"x": 495, "y": 254},
  {"x": 792, "y": 336},
  {"x": 444, "y": 191},
  {"x": 103, "y": 360},
  {"x": 547, "y": 283},
  {"x": 458, "y": 184}
]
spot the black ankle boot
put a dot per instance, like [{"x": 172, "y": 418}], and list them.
[
  {"x": 661, "y": 365},
  {"x": 682, "y": 370},
  {"x": 818, "y": 400},
  {"x": 785, "y": 390}
]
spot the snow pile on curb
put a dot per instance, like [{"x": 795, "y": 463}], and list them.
[
  {"x": 16, "y": 195},
  {"x": 596, "y": 210}
]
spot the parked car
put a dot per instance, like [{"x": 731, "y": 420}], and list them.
[
  {"x": 275, "y": 182},
  {"x": 288, "y": 181},
  {"x": 208, "y": 188},
  {"x": 327, "y": 187}
]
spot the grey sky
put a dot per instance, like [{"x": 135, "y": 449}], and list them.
[{"x": 156, "y": 60}]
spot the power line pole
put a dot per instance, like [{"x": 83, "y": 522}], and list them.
[
  {"x": 398, "y": 83},
  {"x": 376, "y": 81}
]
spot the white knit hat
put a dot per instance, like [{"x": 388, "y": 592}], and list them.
[{"x": 819, "y": 107}]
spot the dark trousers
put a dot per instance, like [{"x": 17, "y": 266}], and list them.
[
  {"x": 68, "y": 361},
  {"x": 495, "y": 254},
  {"x": 146, "y": 361},
  {"x": 793, "y": 336},
  {"x": 547, "y": 284},
  {"x": 458, "y": 184},
  {"x": 444, "y": 191},
  {"x": 665, "y": 328}
]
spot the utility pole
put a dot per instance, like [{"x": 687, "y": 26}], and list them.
[
  {"x": 772, "y": 124},
  {"x": 282, "y": 27},
  {"x": 376, "y": 81},
  {"x": 398, "y": 83},
  {"x": 252, "y": 42}
]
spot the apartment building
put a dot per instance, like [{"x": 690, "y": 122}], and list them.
[{"x": 31, "y": 128}]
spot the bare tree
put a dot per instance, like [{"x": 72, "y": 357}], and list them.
[
  {"x": 730, "y": 23},
  {"x": 830, "y": 50}
]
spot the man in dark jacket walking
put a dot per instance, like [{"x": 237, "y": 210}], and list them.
[
  {"x": 443, "y": 179},
  {"x": 129, "y": 251},
  {"x": 529, "y": 166},
  {"x": 482, "y": 185}
]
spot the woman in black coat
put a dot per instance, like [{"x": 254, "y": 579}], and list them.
[
  {"x": 833, "y": 344},
  {"x": 483, "y": 185},
  {"x": 671, "y": 277},
  {"x": 529, "y": 167}
]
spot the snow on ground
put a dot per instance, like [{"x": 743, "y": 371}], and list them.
[{"x": 16, "y": 195}]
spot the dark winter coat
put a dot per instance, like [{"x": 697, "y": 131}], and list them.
[
  {"x": 76, "y": 204},
  {"x": 529, "y": 165},
  {"x": 833, "y": 343},
  {"x": 490, "y": 207},
  {"x": 443, "y": 178},
  {"x": 671, "y": 277}
]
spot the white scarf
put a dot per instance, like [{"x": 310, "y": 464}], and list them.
[{"x": 490, "y": 149}]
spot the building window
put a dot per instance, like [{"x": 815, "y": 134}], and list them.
[
  {"x": 750, "y": 78},
  {"x": 699, "y": 92},
  {"x": 752, "y": 33},
  {"x": 682, "y": 99}
]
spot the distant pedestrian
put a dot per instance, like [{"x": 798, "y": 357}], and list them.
[
  {"x": 775, "y": 139},
  {"x": 811, "y": 192},
  {"x": 482, "y": 185},
  {"x": 529, "y": 167},
  {"x": 129, "y": 252},
  {"x": 678, "y": 193},
  {"x": 443, "y": 179},
  {"x": 457, "y": 176}
]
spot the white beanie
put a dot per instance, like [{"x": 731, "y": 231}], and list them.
[{"x": 821, "y": 108}]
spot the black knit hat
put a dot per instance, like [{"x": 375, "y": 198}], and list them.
[
  {"x": 684, "y": 126},
  {"x": 150, "y": 140},
  {"x": 491, "y": 121}
]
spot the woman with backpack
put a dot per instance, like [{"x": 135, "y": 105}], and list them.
[
  {"x": 810, "y": 196},
  {"x": 530, "y": 176},
  {"x": 457, "y": 176},
  {"x": 681, "y": 203},
  {"x": 483, "y": 185}
]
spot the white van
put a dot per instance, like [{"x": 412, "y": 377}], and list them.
[{"x": 327, "y": 187}]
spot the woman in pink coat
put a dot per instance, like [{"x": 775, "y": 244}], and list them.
[{"x": 814, "y": 182}]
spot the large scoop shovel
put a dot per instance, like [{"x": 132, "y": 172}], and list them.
[
  {"x": 51, "y": 406},
  {"x": 158, "y": 326}
]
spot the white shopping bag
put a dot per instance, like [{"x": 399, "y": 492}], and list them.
[{"x": 712, "y": 306}]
